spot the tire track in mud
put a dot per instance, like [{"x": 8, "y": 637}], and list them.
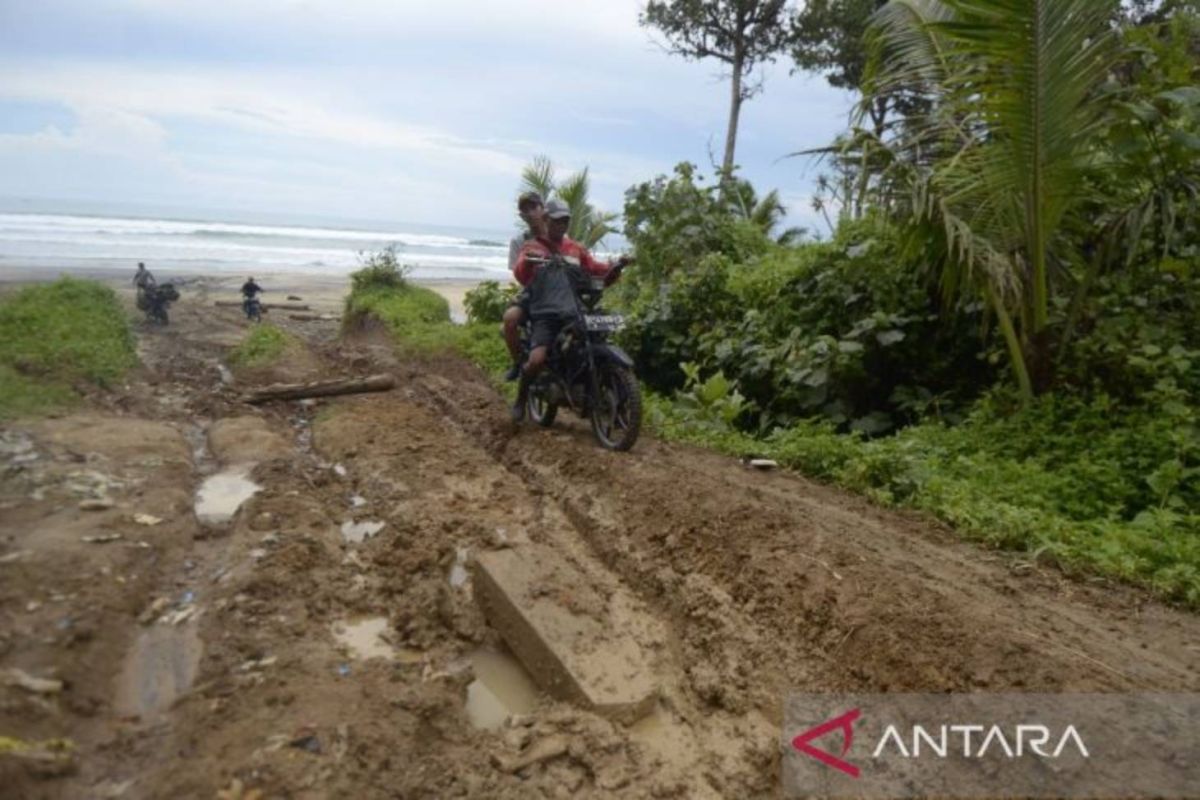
[{"x": 848, "y": 597}]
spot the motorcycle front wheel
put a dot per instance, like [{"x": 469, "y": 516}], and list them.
[
  {"x": 541, "y": 410},
  {"x": 617, "y": 411}
]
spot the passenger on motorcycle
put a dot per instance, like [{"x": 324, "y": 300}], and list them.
[
  {"x": 142, "y": 278},
  {"x": 552, "y": 288},
  {"x": 250, "y": 290},
  {"x": 532, "y": 210}
]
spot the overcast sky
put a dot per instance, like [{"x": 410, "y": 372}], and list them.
[{"x": 380, "y": 109}]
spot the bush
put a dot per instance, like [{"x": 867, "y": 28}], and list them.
[
  {"x": 261, "y": 346},
  {"x": 380, "y": 270},
  {"x": 488, "y": 301},
  {"x": 57, "y": 335}
]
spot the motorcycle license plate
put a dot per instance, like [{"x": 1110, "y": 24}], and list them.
[{"x": 605, "y": 322}]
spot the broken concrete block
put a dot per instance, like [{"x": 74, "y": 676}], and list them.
[{"x": 564, "y": 632}]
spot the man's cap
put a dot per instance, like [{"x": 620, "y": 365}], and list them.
[
  {"x": 529, "y": 199},
  {"x": 557, "y": 209}
]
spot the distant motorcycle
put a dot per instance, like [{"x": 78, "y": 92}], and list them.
[
  {"x": 154, "y": 300},
  {"x": 589, "y": 374},
  {"x": 253, "y": 309}
]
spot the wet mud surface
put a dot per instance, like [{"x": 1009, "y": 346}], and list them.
[{"x": 320, "y": 636}]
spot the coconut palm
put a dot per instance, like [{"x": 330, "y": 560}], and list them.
[
  {"x": 998, "y": 158},
  {"x": 588, "y": 225}
]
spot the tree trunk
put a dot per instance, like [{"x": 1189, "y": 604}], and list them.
[
  {"x": 299, "y": 391},
  {"x": 735, "y": 110}
]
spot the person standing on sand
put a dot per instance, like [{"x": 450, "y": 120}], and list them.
[
  {"x": 142, "y": 278},
  {"x": 532, "y": 211}
]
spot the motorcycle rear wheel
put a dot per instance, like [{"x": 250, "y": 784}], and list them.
[{"x": 617, "y": 412}]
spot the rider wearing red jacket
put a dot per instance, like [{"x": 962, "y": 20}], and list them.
[{"x": 552, "y": 288}]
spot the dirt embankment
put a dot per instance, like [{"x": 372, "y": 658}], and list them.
[{"x": 324, "y": 641}]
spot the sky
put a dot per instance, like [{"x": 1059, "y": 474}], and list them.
[{"x": 417, "y": 111}]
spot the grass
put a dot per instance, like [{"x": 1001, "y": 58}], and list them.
[
  {"x": 420, "y": 320},
  {"x": 263, "y": 345},
  {"x": 56, "y": 337},
  {"x": 1069, "y": 483}
]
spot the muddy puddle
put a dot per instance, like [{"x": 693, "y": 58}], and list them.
[
  {"x": 367, "y": 638},
  {"x": 221, "y": 495},
  {"x": 359, "y": 532},
  {"x": 502, "y": 688},
  {"x": 158, "y": 670}
]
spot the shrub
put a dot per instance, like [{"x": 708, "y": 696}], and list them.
[
  {"x": 488, "y": 301},
  {"x": 57, "y": 335},
  {"x": 380, "y": 270}
]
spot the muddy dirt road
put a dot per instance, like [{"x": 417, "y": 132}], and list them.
[{"x": 203, "y": 599}]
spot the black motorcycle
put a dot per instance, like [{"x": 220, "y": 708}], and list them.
[
  {"x": 253, "y": 308},
  {"x": 589, "y": 374},
  {"x": 155, "y": 299}
]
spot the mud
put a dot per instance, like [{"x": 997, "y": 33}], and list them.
[{"x": 270, "y": 654}]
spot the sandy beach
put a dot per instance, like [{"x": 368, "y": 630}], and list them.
[{"x": 324, "y": 293}]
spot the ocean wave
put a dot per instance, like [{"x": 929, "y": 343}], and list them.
[{"x": 35, "y": 223}]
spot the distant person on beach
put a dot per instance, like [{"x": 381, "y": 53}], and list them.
[
  {"x": 250, "y": 290},
  {"x": 142, "y": 278},
  {"x": 533, "y": 213}
]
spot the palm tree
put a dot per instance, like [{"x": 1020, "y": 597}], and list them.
[
  {"x": 765, "y": 213},
  {"x": 588, "y": 225},
  {"x": 998, "y": 158}
]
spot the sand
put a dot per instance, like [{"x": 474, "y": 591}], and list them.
[{"x": 324, "y": 293}]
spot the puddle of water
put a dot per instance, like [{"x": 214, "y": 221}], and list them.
[
  {"x": 364, "y": 639},
  {"x": 358, "y": 532},
  {"x": 501, "y": 688},
  {"x": 458, "y": 572},
  {"x": 221, "y": 495},
  {"x": 159, "y": 669}
]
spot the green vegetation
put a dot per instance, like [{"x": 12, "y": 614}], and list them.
[
  {"x": 1004, "y": 328},
  {"x": 262, "y": 345},
  {"x": 56, "y": 337},
  {"x": 420, "y": 317}
]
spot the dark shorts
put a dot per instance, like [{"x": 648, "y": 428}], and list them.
[
  {"x": 521, "y": 301},
  {"x": 545, "y": 331}
]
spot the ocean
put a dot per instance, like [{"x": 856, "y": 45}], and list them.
[{"x": 58, "y": 241}]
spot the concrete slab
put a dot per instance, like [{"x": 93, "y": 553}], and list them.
[{"x": 572, "y": 641}]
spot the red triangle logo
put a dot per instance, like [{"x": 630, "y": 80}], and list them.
[{"x": 844, "y": 723}]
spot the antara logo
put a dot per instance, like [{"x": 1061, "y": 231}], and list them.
[{"x": 942, "y": 741}]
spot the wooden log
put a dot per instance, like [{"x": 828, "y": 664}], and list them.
[
  {"x": 315, "y": 317},
  {"x": 299, "y": 391},
  {"x": 265, "y": 306}
]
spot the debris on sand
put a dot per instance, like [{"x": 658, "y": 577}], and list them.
[
  {"x": 96, "y": 504},
  {"x": 359, "y": 532},
  {"x": 542, "y": 750},
  {"x": 149, "y": 520},
  {"x": 23, "y": 680},
  {"x": 103, "y": 539},
  {"x": 763, "y": 464},
  {"x": 153, "y": 610},
  {"x": 51, "y": 759}
]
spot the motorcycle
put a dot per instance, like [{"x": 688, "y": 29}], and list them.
[
  {"x": 155, "y": 299},
  {"x": 588, "y": 374},
  {"x": 253, "y": 309}
]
